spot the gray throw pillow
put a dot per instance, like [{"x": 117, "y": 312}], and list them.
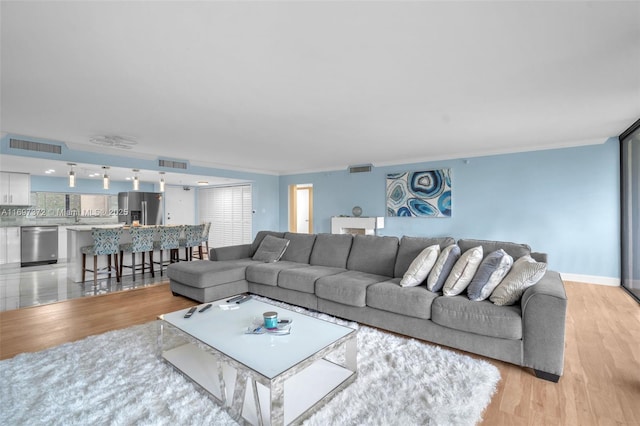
[
  {"x": 492, "y": 270},
  {"x": 271, "y": 249},
  {"x": 440, "y": 271},
  {"x": 524, "y": 273}
]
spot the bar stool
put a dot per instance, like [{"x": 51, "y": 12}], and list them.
[
  {"x": 169, "y": 240},
  {"x": 141, "y": 242},
  {"x": 192, "y": 238},
  {"x": 105, "y": 242},
  {"x": 205, "y": 238}
]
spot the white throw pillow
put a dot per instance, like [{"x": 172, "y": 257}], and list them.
[
  {"x": 463, "y": 272},
  {"x": 524, "y": 273},
  {"x": 420, "y": 267}
]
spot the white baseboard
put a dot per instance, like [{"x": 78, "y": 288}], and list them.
[{"x": 591, "y": 279}]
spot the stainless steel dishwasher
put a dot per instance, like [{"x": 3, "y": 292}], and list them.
[{"x": 38, "y": 245}]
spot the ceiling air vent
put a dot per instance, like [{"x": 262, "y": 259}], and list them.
[
  {"x": 35, "y": 146},
  {"x": 173, "y": 164},
  {"x": 362, "y": 168}
]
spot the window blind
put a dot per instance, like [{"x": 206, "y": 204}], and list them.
[{"x": 228, "y": 208}]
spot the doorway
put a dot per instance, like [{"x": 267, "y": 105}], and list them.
[
  {"x": 179, "y": 206},
  {"x": 301, "y": 208}
]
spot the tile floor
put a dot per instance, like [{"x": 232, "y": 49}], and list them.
[{"x": 38, "y": 285}]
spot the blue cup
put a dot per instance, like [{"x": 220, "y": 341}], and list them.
[{"x": 270, "y": 319}]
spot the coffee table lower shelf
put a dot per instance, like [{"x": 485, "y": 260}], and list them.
[{"x": 304, "y": 392}]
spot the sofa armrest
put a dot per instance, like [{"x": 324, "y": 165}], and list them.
[
  {"x": 230, "y": 252},
  {"x": 539, "y": 257},
  {"x": 544, "y": 311}
]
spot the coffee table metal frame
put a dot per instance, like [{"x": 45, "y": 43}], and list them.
[{"x": 245, "y": 375}]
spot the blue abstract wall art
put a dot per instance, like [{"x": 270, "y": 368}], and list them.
[{"x": 419, "y": 194}]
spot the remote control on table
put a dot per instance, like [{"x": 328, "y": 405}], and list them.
[
  {"x": 235, "y": 299},
  {"x": 244, "y": 299},
  {"x": 191, "y": 311},
  {"x": 205, "y": 308}
]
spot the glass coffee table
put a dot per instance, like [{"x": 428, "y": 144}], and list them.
[{"x": 260, "y": 378}]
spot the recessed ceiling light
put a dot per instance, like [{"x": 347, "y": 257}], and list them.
[
  {"x": 49, "y": 171},
  {"x": 203, "y": 182}
]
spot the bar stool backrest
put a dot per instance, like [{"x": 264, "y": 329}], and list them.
[
  {"x": 106, "y": 240},
  {"x": 170, "y": 237},
  {"x": 141, "y": 239},
  {"x": 205, "y": 232},
  {"x": 193, "y": 235}
]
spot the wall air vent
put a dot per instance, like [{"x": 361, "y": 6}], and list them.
[
  {"x": 361, "y": 168},
  {"x": 35, "y": 146},
  {"x": 172, "y": 164}
]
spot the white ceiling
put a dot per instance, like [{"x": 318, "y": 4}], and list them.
[{"x": 285, "y": 87}]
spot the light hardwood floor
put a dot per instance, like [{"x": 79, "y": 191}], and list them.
[{"x": 600, "y": 386}]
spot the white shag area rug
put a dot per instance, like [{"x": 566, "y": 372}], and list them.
[{"x": 116, "y": 379}]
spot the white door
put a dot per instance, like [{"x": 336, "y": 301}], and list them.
[
  {"x": 301, "y": 208},
  {"x": 179, "y": 206},
  {"x": 302, "y": 219}
]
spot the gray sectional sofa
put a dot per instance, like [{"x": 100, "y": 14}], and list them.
[{"x": 357, "y": 278}]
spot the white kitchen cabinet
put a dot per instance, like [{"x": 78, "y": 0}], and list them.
[
  {"x": 62, "y": 242},
  {"x": 13, "y": 244},
  {"x": 3, "y": 246},
  {"x": 10, "y": 245},
  {"x": 15, "y": 189}
]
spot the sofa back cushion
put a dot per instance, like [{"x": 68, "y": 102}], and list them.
[
  {"x": 514, "y": 250},
  {"x": 300, "y": 246},
  {"x": 260, "y": 236},
  {"x": 411, "y": 247},
  {"x": 331, "y": 250},
  {"x": 373, "y": 254}
]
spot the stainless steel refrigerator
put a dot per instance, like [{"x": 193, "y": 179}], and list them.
[{"x": 144, "y": 207}]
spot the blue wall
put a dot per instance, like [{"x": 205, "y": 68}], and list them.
[
  {"x": 564, "y": 202},
  {"x": 83, "y": 186}
]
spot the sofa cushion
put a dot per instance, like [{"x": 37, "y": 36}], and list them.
[
  {"x": 260, "y": 236},
  {"x": 524, "y": 273},
  {"x": 514, "y": 250},
  {"x": 267, "y": 273},
  {"x": 207, "y": 273},
  {"x": 304, "y": 279},
  {"x": 440, "y": 271},
  {"x": 420, "y": 267},
  {"x": 300, "y": 246},
  {"x": 412, "y": 301},
  {"x": 373, "y": 254},
  {"x": 484, "y": 318},
  {"x": 463, "y": 272},
  {"x": 491, "y": 271},
  {"x": 348, "y": 288},
  {"x": 331, "y": 250},
  {"x": 410, "y": 248}
]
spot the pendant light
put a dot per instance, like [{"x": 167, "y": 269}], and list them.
[
  {"x": 136, "y": 182},
  {"x": 72, "y": 176},
  {"x": 105, "y": 178},
  {"x": 161, "y": 181}
]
